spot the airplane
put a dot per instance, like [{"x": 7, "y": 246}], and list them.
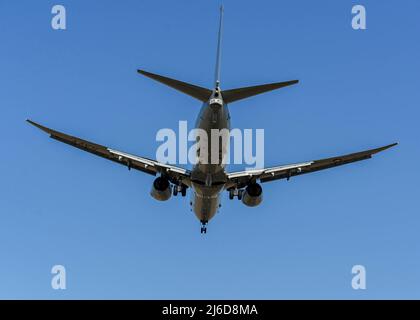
[{"x": 207, "y": 181}]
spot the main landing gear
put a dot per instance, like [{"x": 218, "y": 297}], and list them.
[
  {"x": 235, "y": 193},
  {"x": 179, "y": 188},
  {"x": 204, "y": 226}
]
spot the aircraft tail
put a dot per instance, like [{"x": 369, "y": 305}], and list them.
[
  {"x": 246, "y": 92},
  {"x": 197, "y": 92},
  {"x": 203, "y": 94},
  {"x": 240, "y": 93}
]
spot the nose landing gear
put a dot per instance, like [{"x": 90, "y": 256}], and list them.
[{"x": 204, "y": 226}]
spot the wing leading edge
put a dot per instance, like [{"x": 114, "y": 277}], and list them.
[
  {"x": 175, "y": 174},
  {"x": 243, "y": 178}
]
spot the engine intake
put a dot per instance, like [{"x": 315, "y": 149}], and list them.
[
  {"x": 252, "y": 195},
  {"x": 161, "y": 189}
]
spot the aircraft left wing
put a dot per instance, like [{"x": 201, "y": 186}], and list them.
[
  {"x": 153, "y": 167},
  {"x": 242, "y": 179}
]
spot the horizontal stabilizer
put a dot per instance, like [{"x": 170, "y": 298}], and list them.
[
  {"x": 242, "y": 93},
  {"x": 197, "y": 92}
]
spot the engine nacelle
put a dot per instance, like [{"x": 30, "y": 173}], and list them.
[
  {"x": 252, "y": 195},
  {"x": 161, "y": 189}
]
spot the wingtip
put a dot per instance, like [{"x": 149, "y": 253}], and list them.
[
  {"x": 392, "y": 145},
  {"x": 32, "y": 122},
  {"x": 145, "y": 73},
  {"x": 291, "y": 82},
  {"x": 386, "y": 147},
  {"x": 45, "y": 129}
]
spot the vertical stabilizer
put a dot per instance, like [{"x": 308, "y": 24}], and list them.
[{"x": 219, "y": 50}]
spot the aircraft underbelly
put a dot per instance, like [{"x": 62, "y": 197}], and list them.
[
  {"x": 205, "y": 206},
  {"x": 208, "y": 179},
  {"x": 210, "y": 118}
]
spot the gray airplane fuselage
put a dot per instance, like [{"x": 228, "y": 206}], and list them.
[{"x": 208, "y": 179}]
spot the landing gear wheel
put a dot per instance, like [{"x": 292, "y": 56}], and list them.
[
  {"x": 203, "y": 226},
  {"x": 184, "y": 191},
  {"x": 175, "y": 191},
  {"x": 240, "y": 194},
  {"x": 231, "y": 195}
]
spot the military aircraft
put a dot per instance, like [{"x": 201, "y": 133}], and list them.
[{"x": 207, "y": 180}]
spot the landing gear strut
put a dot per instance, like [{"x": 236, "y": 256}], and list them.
[{"x": 204, "y": 226}]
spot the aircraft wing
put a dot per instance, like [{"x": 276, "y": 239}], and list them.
[
  {"x": 243, "y": 178},
  {"x": 175, "y": 174}
]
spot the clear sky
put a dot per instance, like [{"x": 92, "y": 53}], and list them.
[{"x": 358, "y": 90}]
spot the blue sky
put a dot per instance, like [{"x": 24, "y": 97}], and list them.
[{"x": 358, "y": 90}]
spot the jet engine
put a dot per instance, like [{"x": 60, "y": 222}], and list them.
[
  {"x": 161, "y": 189},
  {"x": 252, "y": 195}
]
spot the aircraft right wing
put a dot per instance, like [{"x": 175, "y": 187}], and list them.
[
  {"x": 175, "y": 174},
  {"x": 242, "y": 179}
]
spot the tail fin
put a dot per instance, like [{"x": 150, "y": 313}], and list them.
[
  {"x": 197, "y": 92},
  {"x": 219, "y": 50},
  {"x": 242, "y": 93}
]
